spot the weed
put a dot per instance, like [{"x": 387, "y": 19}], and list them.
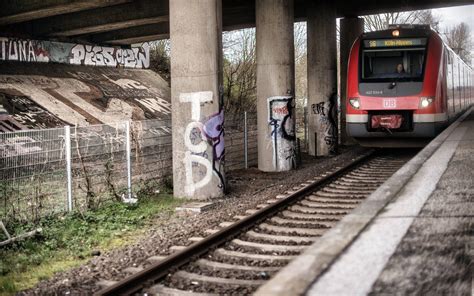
[{"x": 68, "y": 240}]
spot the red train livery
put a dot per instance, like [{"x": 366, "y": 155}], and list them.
[{"x": 404, "y": 86}]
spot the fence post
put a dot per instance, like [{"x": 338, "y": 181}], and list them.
[
  {"x": 67, "y": 140},
  {"x": 305, "y": 124},
  {"x": 129, "y": 160},
  {"x": 245, "y": 141}
]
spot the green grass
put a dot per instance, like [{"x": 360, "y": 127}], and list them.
[{"x": 68, "y": 241}]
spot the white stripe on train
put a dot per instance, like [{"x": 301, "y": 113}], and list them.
[{"x": 363, "y": 118}]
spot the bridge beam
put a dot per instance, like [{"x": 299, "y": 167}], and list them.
[
  {"x": 322, "y": 78},
  {"x": 136, "y": 13},
  {"x": 26, "y": 10},
  {"x": 275, "y": 85},
  {"x": 350, "y": 29},
  {"x": 196, "y": 72},
  {"x": 131, "y": 35}
]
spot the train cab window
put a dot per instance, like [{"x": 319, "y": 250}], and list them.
[{"x": 393, "y": 64}]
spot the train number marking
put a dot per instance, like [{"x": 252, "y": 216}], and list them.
[{"x": 389, "y": 103}]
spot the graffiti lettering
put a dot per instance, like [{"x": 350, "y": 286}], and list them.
[
  {"x": 281, "y": 121},
  {"x": 27, "y": 113},
  {"x": 17, "y": 50},
  {"x": 76, "y": 102},
  {"x": 326, "y": 122},
  {"x": 318, "y": 108},
  {"x": 23, "y": 50},
  {"x": 109, "y": 56},
  {"x": 156, "y": 105},
  {"x": 196, "y": 99},
  {"x": 191, "y": 156},
  {"x": 197, "y": 137},
  {"x": 214, "y": 131}
]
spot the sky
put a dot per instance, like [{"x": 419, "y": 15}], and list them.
[{"x": 455, "y": 15}]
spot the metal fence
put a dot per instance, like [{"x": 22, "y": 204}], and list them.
[
  {"x": 49, "y": 171},
  {"x": 32, "y": 173}
]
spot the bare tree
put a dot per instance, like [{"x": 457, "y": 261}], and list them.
[
  {"x": 460, "y": 40},
  {"x": 381, "y": 21},
  {"x": 301, "y": 91},
  {"x": 240, "y": 83}
]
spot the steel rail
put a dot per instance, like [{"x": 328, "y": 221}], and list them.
[{"x": 161, "y": 269}]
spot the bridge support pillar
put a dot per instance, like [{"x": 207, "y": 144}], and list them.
[
  {"x": 350, "y": 29},
  {"x": 275, "y": 85},
  {"x": 322, "y": 78},
  {"x": 196, "y": 75}
]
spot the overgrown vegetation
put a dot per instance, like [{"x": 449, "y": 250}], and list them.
[
  {"x": 70, "y": 240},
  {"x": 160, "y": 58}
]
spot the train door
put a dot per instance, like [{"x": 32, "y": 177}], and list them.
[
  {"x": 450, "y": 84},
  {"x": 456, "y": 84}
]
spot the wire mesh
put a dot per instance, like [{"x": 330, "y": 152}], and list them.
[
  {"x": 99, "y": 163},
  {"x": 33, "y": 167},
  {"x": 32, "y": 174}
]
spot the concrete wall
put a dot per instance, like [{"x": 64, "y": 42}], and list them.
[{"x": 80, "y": 95}]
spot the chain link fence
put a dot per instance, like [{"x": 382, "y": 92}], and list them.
[{"x": 50, "y": 171}]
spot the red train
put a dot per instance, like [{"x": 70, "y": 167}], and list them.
[{"x": 404, "y": 86}]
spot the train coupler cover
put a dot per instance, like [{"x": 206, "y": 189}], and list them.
[{"x": 389, "y": 121}]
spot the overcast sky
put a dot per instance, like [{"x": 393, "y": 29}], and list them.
[{"x": 455, "y": 15}]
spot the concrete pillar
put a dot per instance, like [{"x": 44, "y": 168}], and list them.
[
  {"x": 275, "y": 85},
  {"x": 322, "y": 78},
  {"x": 350, "y": 29},
  {"x": 197, "y": 116}
]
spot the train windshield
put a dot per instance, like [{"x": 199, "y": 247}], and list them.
[{"x": 389, "y": 60}]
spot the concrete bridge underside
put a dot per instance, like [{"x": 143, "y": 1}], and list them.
[
  {"x": 195, "y": 29},
  {"x": 124, "y": 22}
]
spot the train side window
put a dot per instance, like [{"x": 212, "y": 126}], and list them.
[{"x": 450, "y": 79}]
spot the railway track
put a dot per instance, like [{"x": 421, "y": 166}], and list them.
[{"x": 243, "y": 255}]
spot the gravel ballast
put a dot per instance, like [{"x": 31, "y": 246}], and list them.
[{"x": 248, "y": 188}]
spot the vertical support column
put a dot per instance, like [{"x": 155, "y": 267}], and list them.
[
  {"x": 275, "y": 85},
  {"x": 198, "y": 118},
  {"x": 350, "y": 29},
  {"x": 322, "y": 78}
]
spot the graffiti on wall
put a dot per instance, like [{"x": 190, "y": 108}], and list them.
[
  {"x": 282, "y": 124},
  {"x": 83, "y": 102},
  {"x": 27, "y": 113},
  {"x": 201, "y": 138},
  {"x": 137, "y": 57},
  {"x": 22, "y": 50},
  {"x": 326, "y": 113}
]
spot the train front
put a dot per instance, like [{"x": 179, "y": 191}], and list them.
[{"x": 394, "y": 98}]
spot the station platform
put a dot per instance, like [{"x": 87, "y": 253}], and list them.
[{"x": 413, "y": 235}]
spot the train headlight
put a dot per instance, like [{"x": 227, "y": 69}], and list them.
[
  {"x": 425, "y": 102},
  {"x": 355, "y": 103}
]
